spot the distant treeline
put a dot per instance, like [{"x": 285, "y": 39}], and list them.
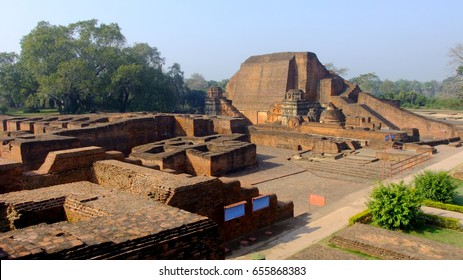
[
  {"x": 87, "y": 67},
  {"x": 447, "y": 94}
]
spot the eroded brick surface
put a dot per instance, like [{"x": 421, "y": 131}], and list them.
[{"x": 105, "y": 224}]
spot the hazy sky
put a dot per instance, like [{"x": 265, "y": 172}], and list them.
[{"x": 394, "y": 39}]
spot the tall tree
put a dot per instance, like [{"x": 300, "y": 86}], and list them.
[
  {"x": 223, "y": 83},
  {"x": 127, "y": 81},
  {"x": 176, "y": 75},
  {"x": 197, "y": 82},
  {"x": 455, "y": 85},
  {"x": 456, "y": 56},
  {"x": 10, "y": 79},
  {"x": 388, "y": 89},
  {"x": 338, "y": 71},
  {"x": 71, "y": 86},
  {"x": 369, "y": 82},
  {"x": 144, "y": 54},
  {"x": 48, "y": 49}
]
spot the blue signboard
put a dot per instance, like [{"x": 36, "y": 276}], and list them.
[
  {"x": 233, "y": 212},
  {"x": 260, "y": 202}
]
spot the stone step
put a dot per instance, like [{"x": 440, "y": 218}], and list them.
[
  {"x": 360, "y": 160},
  {"x": 349, "y": 165},
  {"x": 347, "y": 168}
]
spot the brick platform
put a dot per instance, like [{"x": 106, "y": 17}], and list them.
[{"x": 85, "y": 221}]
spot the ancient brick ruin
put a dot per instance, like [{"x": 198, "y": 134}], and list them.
[
  {"x": 258, "y": 91},
  {"x": 85, "y": 221},
  {"x": 149, "y": 186},
  {"x": 214, "y": 155},
  {"x": 60, "y": 175}
]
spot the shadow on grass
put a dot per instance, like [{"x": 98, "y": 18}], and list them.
[
  {"x": 422, "y": 229},
  {"x": 458, "y": 200}
]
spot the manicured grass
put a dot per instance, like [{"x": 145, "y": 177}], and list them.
[
  {"x": 458, "y": 199},
  {"x": 447, "y": 236},
  {"x": 19, "y": 112},
  {"x": 357, "y": 253}
]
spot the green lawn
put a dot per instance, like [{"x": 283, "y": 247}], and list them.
[
  {"x": 458, "y": 199},
  {"x": 19, "y": 112},
  {"x": 443, "y": 235}
]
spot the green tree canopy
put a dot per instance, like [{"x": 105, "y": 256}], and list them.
[
  {"x": 197, "y": 82},
  {"x": 338, "y": 71},
  {"x": 369, "y": 82},
  {"x": 88, "y": 66},
  {"x": 394, "y": 205}
]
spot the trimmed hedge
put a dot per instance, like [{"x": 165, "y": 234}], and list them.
[
  {"x": 445, "y": 206},
  {"x": 445, "y": 222},
  {"x": 363, "y": 217}
]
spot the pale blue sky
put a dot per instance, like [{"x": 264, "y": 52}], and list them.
[{"x": 395, "y": 39}]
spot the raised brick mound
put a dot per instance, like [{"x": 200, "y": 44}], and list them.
[
  {"x": 392, "y": 245},
  {"x": 86, "y": 221}
]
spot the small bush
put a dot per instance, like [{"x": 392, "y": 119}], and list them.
[
  {"x": 437, "y": 186},
  {"x": 445, "y": 206},
  {"x": 3, "y": 109},
  {"x": 363, "y": 217},
  {"x": 445, "y": 222},
  {"x": 394, "y": 206}
]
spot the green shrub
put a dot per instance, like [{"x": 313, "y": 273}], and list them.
[
  {"x": 394, "y": 206},
  {"x": 363, "y": 217},
  {"x": 445, "y": 222},
  {"x": 3, "y": 109},
  {"x": 445, "y": 206},
  {"x": 437, "y": 186}
]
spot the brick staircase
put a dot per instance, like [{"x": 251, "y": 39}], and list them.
[
  {"x": 351, "y": 94},
  {"x": 379, "y": 117},
  {"x": 357, "y": 166},
  {"x": 230, "y": 110}
]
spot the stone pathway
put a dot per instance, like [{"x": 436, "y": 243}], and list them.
[
  {"x": 443, "y": 213},
  {"x": 314, "y": 228}
]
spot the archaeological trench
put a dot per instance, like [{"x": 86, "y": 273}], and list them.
[{"x": 150, "y": 186}]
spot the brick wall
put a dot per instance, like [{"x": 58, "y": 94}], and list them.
[
  {"x": 254, "y": 220},
  {"x": 402, "y": 118},
  {"x": 198, "y": 163},
  {"x": 202, "y": 195},
  {"x": 65, "y": 160},
  {"x": 125, "y": 134},
  {"x": 104, "y": 224},
  {"x": 11, "y": 174},
  {"x": 293, "y": 140},
  {"x": 32, "y": 152},
  {"x": 77, "y": 211},
  {"x": 33, "y": 180},
  {"x": 187, "y": 125}
]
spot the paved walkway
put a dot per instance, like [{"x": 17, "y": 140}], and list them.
[
  {"x": 443, "y": 213},
  {"x": 293, "y": 240}
]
